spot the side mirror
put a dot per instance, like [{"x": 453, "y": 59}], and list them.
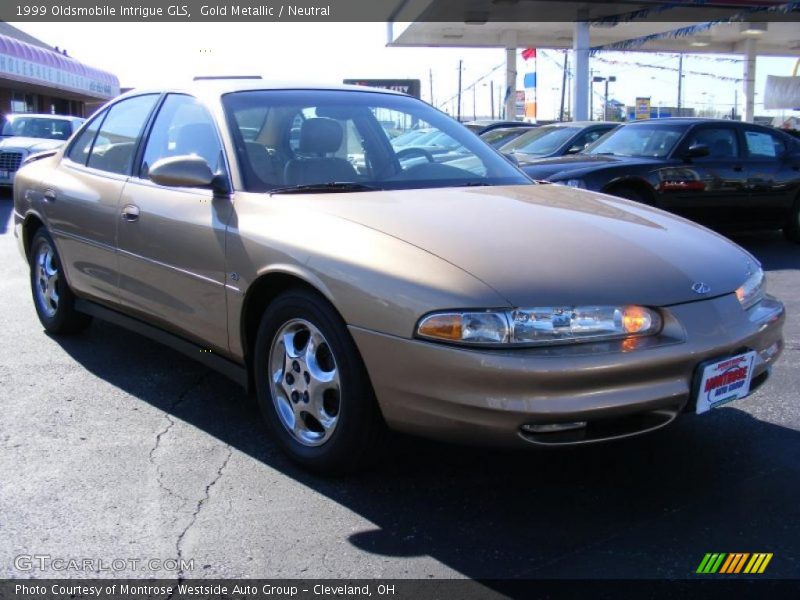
[
  {"x": 182, "y": 171},
  {"x": 696, "y": 151},
  {"x": 575, "y": 149}
]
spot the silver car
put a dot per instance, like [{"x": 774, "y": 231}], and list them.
[{"x": 23, "y": 134}]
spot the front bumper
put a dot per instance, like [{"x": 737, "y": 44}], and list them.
[{"x": 619, "y": 388}]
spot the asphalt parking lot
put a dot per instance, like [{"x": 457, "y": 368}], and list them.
[{"x": 114, "y": 447}]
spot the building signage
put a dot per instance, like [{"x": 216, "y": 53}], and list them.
[
  {"x": 20, "y": 69},
  {"x": 412, "y": 87},
  {"x": 642, "y": 108}
]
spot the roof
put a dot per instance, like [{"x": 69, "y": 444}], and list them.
[
  {"x": 11, "y": 31},
  {"x": 647, "y": 25},
  {"x": 581, "y": 123},
  {"x": 673, "y": 120},
  {"x": 43, "y": 116},
  {"x": 27, "y": 59},
  {"x": 218, "y": 87}
]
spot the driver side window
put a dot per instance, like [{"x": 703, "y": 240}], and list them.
[
  {"x": 721, "y": 142},
  {"x": 183, "y": 127}
]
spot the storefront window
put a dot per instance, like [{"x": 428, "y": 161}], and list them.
[{"x": 22, "y": 103}]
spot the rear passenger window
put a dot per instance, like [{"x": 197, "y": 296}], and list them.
[
  {"x": 79, "y": 151},
  {"x": 115, "y": 143},
  {"x": 761, "y": 144}
]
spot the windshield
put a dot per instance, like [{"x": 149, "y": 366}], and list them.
[
  {"x": 315, "y": 138},
  {"x": 651, "y": 141},
  {"x": 499, "y": 137},
  {"x": 38, "y": 127},
  {"x": 541, "y": 141}
]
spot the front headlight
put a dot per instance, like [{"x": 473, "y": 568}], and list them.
[
  {"x": 752, "y": 290},
  {"x": 540, "y": 326}
]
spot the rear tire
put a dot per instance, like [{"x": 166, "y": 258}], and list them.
[
  {"x": 312, "y": 386},
  {"x": 792, "y": 227},
  {"x": 54, "y": 301}
]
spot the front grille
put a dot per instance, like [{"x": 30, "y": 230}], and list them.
[{"x": 9, "y": 161}]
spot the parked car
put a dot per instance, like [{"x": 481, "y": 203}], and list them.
[
  {"x": 484, "y": 125},
  {"x": 558, "y": 139},
  {"x": 457, "y": 304},
  {"x": 24, "y": 134},
  {"x": 721, "y": 173},
  {"x": 501, "y": 136}
]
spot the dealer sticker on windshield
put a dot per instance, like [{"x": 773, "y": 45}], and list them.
[{"x": 725, "y": 381}]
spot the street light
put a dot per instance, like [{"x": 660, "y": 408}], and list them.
[{"x": 607, "y": 80}]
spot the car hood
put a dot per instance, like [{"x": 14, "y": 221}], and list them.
[
  {"x": 562, "y": 166},
  {"x": 541, "y": 245},
  {"x": 29, "y": 144}
]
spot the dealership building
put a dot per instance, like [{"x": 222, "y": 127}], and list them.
[{"x": 35, "y": 77}]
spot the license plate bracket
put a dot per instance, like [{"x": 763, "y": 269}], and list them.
[{"x": 723, "y": 380}]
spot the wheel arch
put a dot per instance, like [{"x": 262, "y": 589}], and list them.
[
  {"x": 30, "y": 226},
  {"x": 267, "y": 286},
  {"x": 633, "y": 183}
]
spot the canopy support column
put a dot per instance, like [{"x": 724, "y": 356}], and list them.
[
  {"x": 511, "y": 84},
  {"x": 749, "y": 80},
  {"x": 580, "y": 51}
]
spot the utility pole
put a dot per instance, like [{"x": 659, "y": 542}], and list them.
[
  {"x": 680, "y": 84},
  {"x": 500, "y": 107},
  {"x": 458, "y": 114},
  {"x": 474, "y": 102},
  {"x": 591, "y": 93},
  {"x": 610, "y": 79},
  {"x": 491, "y": 96},
  {"x": 563, "y": 85},
  {"x": 430, "y": 76},
  {"x": 735, "y": 102}
]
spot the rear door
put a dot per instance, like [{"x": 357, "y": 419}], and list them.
[
  {"x": 713, "y": 188},
  {"x": 172, "y": 240},
  {"x": 771, "y": 177},
  {"x": 80, "y": 200}
]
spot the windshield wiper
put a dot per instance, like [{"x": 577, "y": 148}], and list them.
[
  {"x": 473, "y": 184},
  {"x": 325, "y": 188}
]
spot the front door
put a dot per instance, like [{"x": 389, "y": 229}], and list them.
[{"x": 172, "y": 240}]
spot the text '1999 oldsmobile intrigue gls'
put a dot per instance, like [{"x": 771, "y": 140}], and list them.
[{"x": 355, "y": 286}]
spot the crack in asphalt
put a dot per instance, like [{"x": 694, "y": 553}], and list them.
[
  {"x": 196, "y": 513},
  {"x": 170, "y": 424}
]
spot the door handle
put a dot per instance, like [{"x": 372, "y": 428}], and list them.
[
  {"x": 130, "y": 213},
  {"x": 49, "y": 196}
]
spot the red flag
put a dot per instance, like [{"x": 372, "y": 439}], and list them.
[{"x": 529, "y": 53}]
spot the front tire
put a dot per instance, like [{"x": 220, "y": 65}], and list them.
[
  {"x": 313, "y": 388},
  {"x": 54, "y": 301}
]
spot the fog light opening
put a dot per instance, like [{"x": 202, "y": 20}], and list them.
[
  {"x": 769, "y": 353},
  {"x": 553, "y": 427}
]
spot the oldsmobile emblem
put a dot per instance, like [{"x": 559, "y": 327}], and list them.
[{"x": 701, "y": 288}]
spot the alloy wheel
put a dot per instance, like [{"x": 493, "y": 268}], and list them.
[
  {"x": 304, "y": 381},
  {"x": 47, "y": 275}
]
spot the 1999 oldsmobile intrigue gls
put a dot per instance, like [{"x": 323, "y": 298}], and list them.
[{"x": 357, "y": 286}]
